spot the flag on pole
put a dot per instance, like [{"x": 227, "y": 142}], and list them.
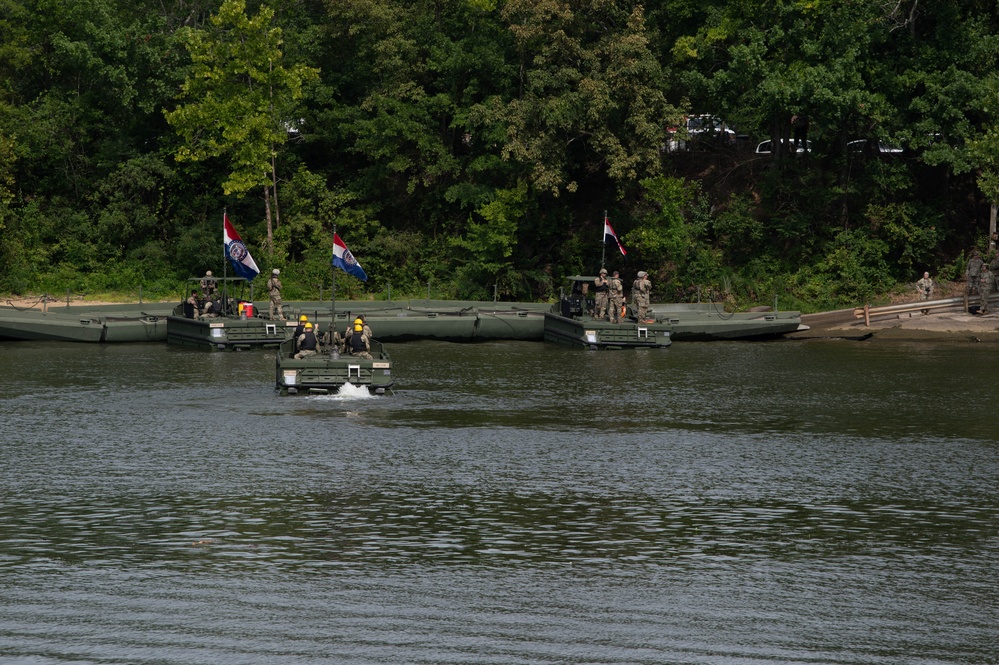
[
  {"x": 239, "y": 256},
  {"x": 344, "y": 260},
  {"x": 609, "y": 231}
]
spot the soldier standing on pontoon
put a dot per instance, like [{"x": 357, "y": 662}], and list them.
[
  {"x": 641, "y": 292},
  {"x": 602, "y": 287},
  {"x": 616, "y": 297},
  {"x": 274, "y": 288}
]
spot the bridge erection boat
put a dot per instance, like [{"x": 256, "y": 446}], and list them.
[
  {"x": 571, "y": 322},
  {"x": 329, "y": 370}
]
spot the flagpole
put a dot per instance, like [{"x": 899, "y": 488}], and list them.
[
  {"x": 333, "y": 294},
  {"x": 603, "y": 242},
  {"x": 225, "y": 268}
]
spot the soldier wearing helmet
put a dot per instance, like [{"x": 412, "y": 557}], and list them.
[
  {"x": 299, "y": 329},
  {"x": 307, "y": 343},
  {"x": 358, "y": 338},
  {"x": 208, "y": 285},
  {"x": 616, "y": 297},
  {"x": 602, "y": 297},
  {"x": 274, "y": 288},
  {"x": 641, "y": 292}
]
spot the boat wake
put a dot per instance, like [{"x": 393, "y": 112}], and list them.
[{"x": 348, "y": 391}]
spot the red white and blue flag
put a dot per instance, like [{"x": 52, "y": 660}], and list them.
[
  {"x": 609, "y": 231},
  {"x": 344, "y": 260},
  {"x": 239, "y": 256}
]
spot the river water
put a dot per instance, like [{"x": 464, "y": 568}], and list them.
[{"x": 810, "y": 501}]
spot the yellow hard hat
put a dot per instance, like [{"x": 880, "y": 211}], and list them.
[
  {"x": 308, "y": 326},
  {"x": 303, "y": 318}
]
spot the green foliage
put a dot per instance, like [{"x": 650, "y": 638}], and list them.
[
  {"x": 855, "y": 267},
  {"x": 240, "y": 95},
  {"x": 673, "y": 238},
  {"x": 473, "y": 145},
  {"x": 589, "y": 95},
  {"x": 489, "y": 244}
]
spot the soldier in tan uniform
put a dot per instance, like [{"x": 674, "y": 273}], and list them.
[
  {"x": 616, "y": 297},
  {"x": 274, "y": 288},
  {"x": 602, "y": 294}
]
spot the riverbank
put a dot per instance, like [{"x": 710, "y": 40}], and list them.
[{"x": 949, "y": 326}]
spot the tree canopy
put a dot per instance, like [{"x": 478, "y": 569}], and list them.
[{"x": 473, "y": 145}]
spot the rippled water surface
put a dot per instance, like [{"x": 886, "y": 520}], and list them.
[{"x": 780, "y": 502}]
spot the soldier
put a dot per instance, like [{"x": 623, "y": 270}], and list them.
[
  {"x": 364, "y": 323},
  {"x": 211, "y": 309},
  {"x": 195, "y": 304},
  {"x": 986, "y": 282},
  {"x": 299, "y": 329},
  {"x": 307, "y": 343},
  {"x": 274, "y": 288},
  {"x": 925, "y": 287},
  {"x": 641, "y": 291},
  {"x": 616, "y": 297},
  {"x": 974, "y": 271},
  {"x": 358, "y": 342},
  {"x": 332, "y": 338},
  {"x": 208, "y": 285},
  {"x": 602, "y": 287}
]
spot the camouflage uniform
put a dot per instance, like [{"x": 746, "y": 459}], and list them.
[
  {"x": 616, "y": 298},
  {"x": 925, "y": 287},
  {"x": 208, "y": 285},
  {"x": 195, "y": 305},
  {"x": 600, "y": 298},
  {"x": 986, "y": 282},
  {"x": 333, "y": 339},
  {"x": 974, "y": 271},
  {"x": 641, "y": 290},
  {"x": 274, "y": 288}
]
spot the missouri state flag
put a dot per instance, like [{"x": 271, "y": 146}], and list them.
[
  {"x": 609, "y": 233},
  {"x": 344, "y": 260},
  {"x": 239, "y": 256}
]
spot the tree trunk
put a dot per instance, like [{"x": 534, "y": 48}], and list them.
[
  {"x": 277, "y": 209},
  {"x": 270, "y": 226}
]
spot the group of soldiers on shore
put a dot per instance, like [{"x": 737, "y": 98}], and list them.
[
  {"x": 356, "y": 339},
  {"x": 609, "y": 296},
  {"x": 982, "y": 278}
]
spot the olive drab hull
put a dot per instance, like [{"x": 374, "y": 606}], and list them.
[
  {"x": 81, "y": 326},
  {"x": 454, "y": 321},
  {"x": 227, "y": 333},
  {"x": 329, "y": 370}
]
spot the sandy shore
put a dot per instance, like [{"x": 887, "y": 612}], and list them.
[
  {"x": 35, "y": 302},
  {"x": 951, "y": 326}
]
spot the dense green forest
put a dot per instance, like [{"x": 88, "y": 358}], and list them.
[{"x": 471, "y": 147}]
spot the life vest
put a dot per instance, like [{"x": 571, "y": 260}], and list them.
[
  {"x": 309, "y": 343},
  {"x": 357, "y": 341}
]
